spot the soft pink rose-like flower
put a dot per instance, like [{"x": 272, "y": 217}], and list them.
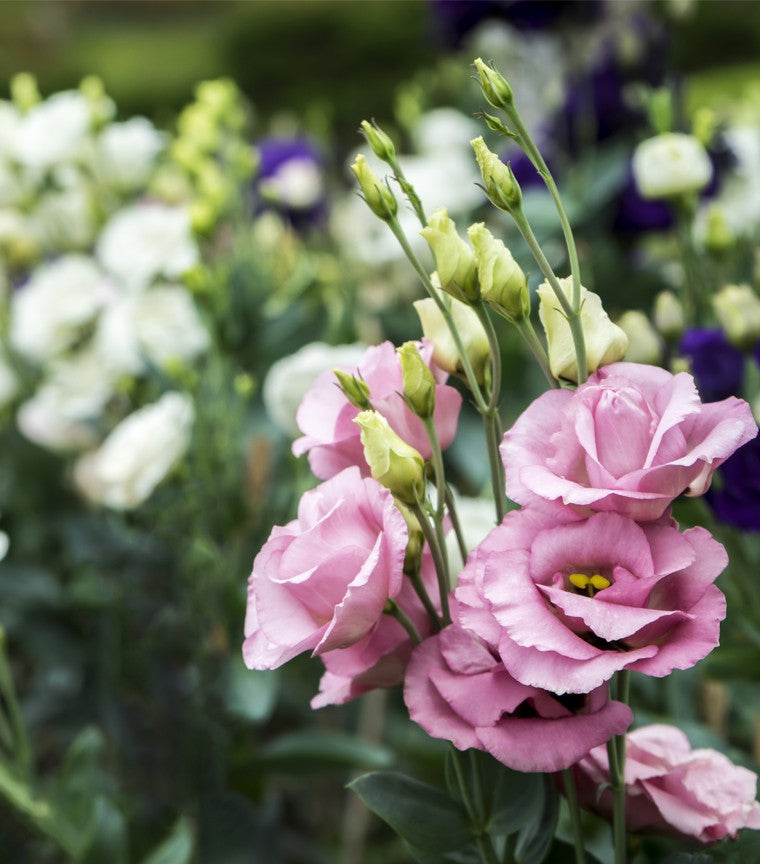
[
  {"x": 325, "y": 416},
  {"x": 672, "y": 788},
  {"x": 321, "y": 581},
  {"x": 629, "y": 440},
  {"x": 381, "y": 657},
  {"x": 457, "y": 688},
  {"x": 574, "y": 601}
]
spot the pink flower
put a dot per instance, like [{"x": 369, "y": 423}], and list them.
[
  {"x": 381, "y": 657},
  {"x": 325, "y": 416},
  {"x": 321, "y": 581},
  {"x": 629, "y": 440},
  {"x": 571, "y": 601},
  {"x": 457, "y": 688},
  {"x": 672, "y": 788}
]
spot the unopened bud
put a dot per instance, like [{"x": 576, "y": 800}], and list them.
[
  {"x": 500, "y": 183},
  {"x": 644, "y": 343},
  {"x": 454, "y": 259},
  {"x": 24, "y": 91},
  {"x": 494, "y": 85},
  {"x": 419, "y": 383},
  {"x": 354, "y": 389},
  {"x": 495, "y": 125},
  {"x": 381, "y": 144},
  {"x": 392, "y": 462},
  {"x": 718, "y": 237},
  {"x": 502, "y": 283},
  {"x": 415, "y": 542},
  {"x": 737, "y": 308},
  {"x": 668, "y": 315},
  {"x": 380, "y": 200}
]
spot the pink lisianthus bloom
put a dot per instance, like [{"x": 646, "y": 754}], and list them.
[
  {"x": 321, "y": 581},
  {"x": 381, "y": 657},
  {"x": 457, "y": 688},
  {"x": 672, "y": 788},
  {"x": 629, "y": 440},
  {"x": 574, "y": 601},
  {"x": 325, "y": 416}
]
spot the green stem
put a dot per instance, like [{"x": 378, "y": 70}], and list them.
[
  {"x": 495, "y": 350},
  {"x": 616, "y": 756},
  {"x": 408, "y": 190},
  {"x": 485, "y": 849},
  {"x": 571, "y": 793},
  {"x": 437, "y": 460},
  {"x": 475, "y": 809},
  {"x": 528, "y": 333},
  {"x": 23, "y": 749},
  {"x": 692, "y": 285},
  {"x": 456, "y": 524},
  {"x": 422, "y": 593},
  {"x": 493, "y": 439},
  {"x": 510, "y": 849},
  {"x": 441, "y": 570},
  {"x": 395, "y": 611}
]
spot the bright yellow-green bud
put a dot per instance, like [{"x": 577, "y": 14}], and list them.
[
  {"x": 354, "y": 389},
  {"x": 381, "y": 144},
  {"x": 218, "y": 94},
  {"x": 499, "y": 181},
  {"x": 495, "y": 125},
  {"x": 704, "y": 125},
  {"x": 380, "y": 200},
  {"x": 419, "y": 383},
  {"x": 393, "y": 463},
  {"x": 644, "y": 342},
  {"x": 197, "y": 123},
  {"x": 94, "y": 90},
  {"x": 502, "y": 283},
  {"x": 245, "y": 385},
  {"x": 415, "y": 543},
  {"x": 470, "y": 330},
  {"x": 24, "y": 91},
  {"x": 494, "y": 85},
  {"x": 203, "y": 215},
  {"x": 454, "y": 259},
  {"x": 718, "y": 237},
  {"x": 668, "y": 315},
  {"x": 661, "y": 110},
  {"x": 737, "y": 308},
  {"x": 605, "y": 341}
]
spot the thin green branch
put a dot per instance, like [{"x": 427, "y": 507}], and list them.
[
  {"x": 441, "y": 570},
  {"x": 571, "y": 793},
  {"x": 393, "y": 610}
]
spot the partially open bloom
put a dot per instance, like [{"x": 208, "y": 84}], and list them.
[
  {"x": 671, "y": 164},
  {"x": 321, "y": 581},
  {"x": 576, "y": 600},
  {"x": 331, "y": 438},
  {"x": 629, "y": 440},
  {"x": 471, "y": 333},
  {"x": 672, "y": 788}
]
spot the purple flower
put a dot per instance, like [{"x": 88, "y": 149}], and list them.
[
  {"x": 717, "y": 366},
  {"x": 736, "y": 501},
  {"x": 290, "y": 179}
]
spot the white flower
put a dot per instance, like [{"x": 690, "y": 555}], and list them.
[
  {"x": 144, "y": 241},
  {"x": 671, "y": 164},
  {"x": 288, "y": 379},
  {"x": 65, "y": 219},
  {"x": 298, "y": 184},
  {"x": 54, "y": 131},
  {"x": 125, "y": 153},
  {"x": 161, "y": 324},
  {"x": 62, "y": 414},
  {"x": 48, "y": 313},
  {"x": 444, "y": 129},
  {"x": 137, "y": 455},
  {"x": 10, "y": 122}
]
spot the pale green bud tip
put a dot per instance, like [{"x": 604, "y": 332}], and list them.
[
  {"x": 392, "y": 462},
  {"x": 24, "y": 91},
  {"x": 494, "y": 85},
  {"x": 454, "y": 259},
  {"x": 381, "y": 144},
  {"x": 737, "y": 308},
  {"x": 380, "y": 200},
  {"x": 354, "y": 389},
  {"x": 418, "y": 381},
  {"x": 502, "y": 282},
  {"x": 669, "y": 315},
  {"x": 500, "y": 183}
]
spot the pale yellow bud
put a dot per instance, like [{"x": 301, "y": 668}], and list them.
[
  {"x": 494, "y": 85},
  {"x": 500, "y": 184},
  {"x": 419, "y": 383},
  {"x": 380, "y": 200},
  {"x": 381, "y": 144},
  {"x": 605, "y": 341},
  {"x": 454, "y": 259},
  {"x": 737, "y": 308},
  {"x": 354, "y": 389},
  {"x": 392, "y": 462},
  {"x": 668, "y": 315},
  {"x": 502, "y": 283},
  {"x": 644, "y": 343}
]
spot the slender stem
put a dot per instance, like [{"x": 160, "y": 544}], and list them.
[
  {"x": 457, "y": 525},
  {"x": 437, "y": 459},
  {"x": 691, "y": 287},
  {"x": 493, "y": 440},
  {"x": 23, "y": 754},
  {"x": 616, "y": 756},
  {"x": 441, "y": 571},
  {"x": 422, "y": 593},
  {"x": 528, "y": 333},
  {"x": 510, "y": 849},
  {"x": 495, "y": 349},
  {"x": 571, "y": 793},
  {"x": 477, "y": 783},
  {"x": 475, "y": 809},
  {"x": 485, "y": 849},
  {"x": 472, "y": 380},
  {"x": 408, "y": 190},
  {"x": 395, "y": 611}
]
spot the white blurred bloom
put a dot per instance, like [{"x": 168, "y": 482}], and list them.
[
  {"x": 477, "y": 517},
  {"x": 298, "y": 183},
  {"x": 65, "y": 219},
  {"x": 288, "y": 379},
  {"x": 53, "y": 131},
  {"x": 444, "y": 129},
  {"x": 47, "y": 314},
  {"x": 11, "y": 188},
  {"x": 739, "y": 198},
  {"x": 126, "y": 468},
  {"x": 10, "y": 122},
  {"x": 125, "y": 153},
  {"x": 671, "y": 164},
  {"x": 144, "y": 241},
  {"x": 161, "y": 324},
  {"x": 4, "y": 544},
  {"x": 62, "y": 413}
]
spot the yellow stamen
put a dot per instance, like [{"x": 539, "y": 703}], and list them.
[
  {"x": 599, "y": 582},
  {"x": 580, "y": 580}
]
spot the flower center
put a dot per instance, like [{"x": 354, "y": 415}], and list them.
[{"x": 585, "y": 584}]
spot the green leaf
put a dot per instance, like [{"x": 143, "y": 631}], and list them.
[
  {"x": 315, "y": 752},
  {"x": 423, "y": 815},
  {"x": 250, "y": 693},
  {"x": 535, "y": 837},
  {"x": 177, "y": 848},
  {"x": 563, "y": 853}
]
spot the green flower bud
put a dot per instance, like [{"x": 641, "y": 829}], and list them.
[
  {"x": 644, "y": 342},
  {"x": 454, "y": 259},
  {"x": 24, "y": 91},
  {"x": 502, "y": 283},
  {"x": 501, "y": 185},
  {"x": 737, "y": 308},
  {"x": 381, "y": 144},
  {"x": 393, "y": 463},
  {"x": 494, "y": 85},
  {"x": 668, "y": 315},
  {"x": 380, "y": 200},
  {"x": 416, "y": 542},
  {"x": 419, "y": 383},
  {"x": 354, "y": 389},
  {"x": 718, "y": 237}
]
